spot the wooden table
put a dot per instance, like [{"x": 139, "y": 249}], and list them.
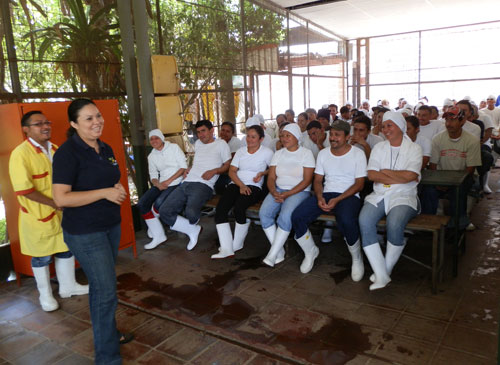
[{"x": 449, "y": 178}]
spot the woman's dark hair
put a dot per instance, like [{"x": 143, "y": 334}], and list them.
[
  {"x": 258, "y": 129},
  {"x": 413, "y": 120},
  {"x": 74, "y": 110}
]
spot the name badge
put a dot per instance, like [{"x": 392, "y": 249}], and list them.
[{"x": 387, "y": 186}]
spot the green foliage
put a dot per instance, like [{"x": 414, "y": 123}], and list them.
[{"x": 3, "y": 230}]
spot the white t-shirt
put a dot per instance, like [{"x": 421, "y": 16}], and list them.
[
  {"x": 290, "y": 167},
  {"x": 208, "y": 156},
  {"x": 340, "y": 172},
  {"x": 473, "y": 129},
  {"x": 234, "y": 144},
  {"x": 431, "y": 129},
  {"x": 309, "y": 144},
  {"x": 485, "y": 118},
  {"x": 494, "y": 115},
  {"x": 250, "y": 164},
  {"x": 424, "y": 143},
  {"x": 163, "y": 164}
]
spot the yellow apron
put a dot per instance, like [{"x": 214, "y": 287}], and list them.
[{"x": 40, "y": 231}]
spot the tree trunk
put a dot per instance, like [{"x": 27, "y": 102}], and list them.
[{"x": 227, "y": 99}]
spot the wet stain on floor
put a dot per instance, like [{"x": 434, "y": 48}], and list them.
[{"x": 336, "y": 342}]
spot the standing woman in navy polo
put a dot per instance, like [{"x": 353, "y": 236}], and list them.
[{"x": 86, "y": 183}]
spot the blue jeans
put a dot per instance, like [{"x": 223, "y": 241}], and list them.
[
  {"x": 153, "y": 197},
  {"x": 346, "y": 214},
  {"x": 47, "y": 260},
  {"x": 397, "y": 219},
  {"x": 270, "y": 209},
  {"x": 190, "y": 197},
  {"x": 96, "y": 253}
]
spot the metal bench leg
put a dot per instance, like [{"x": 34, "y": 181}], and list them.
[
  {"x": 442, "y": 232},
  {"x": 434, "y": 261}
]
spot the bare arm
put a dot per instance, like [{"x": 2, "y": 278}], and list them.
[
  {"x": 64, "y": 197},
  {"x": 207, "y": 175},
  {"x": 401, "y": 177},
  {"x": 358, "y": 185},
  {"x": 38, "y": 197},
  {"x": 425, "y": 161}
]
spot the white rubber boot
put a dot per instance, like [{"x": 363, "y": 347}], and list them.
[
  {"x": 392, "y": 255},
  {"x": 225, "y": 240},
  {"x": 42, "y": 277},
  {"x": 270, "y": 232},
  {"x": 279, "y": 241},
  {"x": 157, "y": 233},
  {"x": 192, "y": 230},
  {"x": 306, "y": 242},
  {"x": 377, "y": 262},
  {"x": 240, "y": 233},
  {"x": 358, "y": 267},
  {"x": 486, "y": 187},
  {"x": 65, "y": 272}
]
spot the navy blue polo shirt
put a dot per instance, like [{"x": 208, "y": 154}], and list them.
[{"x": 77, "y": 164}]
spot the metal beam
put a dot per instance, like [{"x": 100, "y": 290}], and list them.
[
  {"x": 133, "y": 101},
  {"x": 244, "y": 56},
  {"x": 312, "y": 3},
  {"x": 144, "y": 59}
]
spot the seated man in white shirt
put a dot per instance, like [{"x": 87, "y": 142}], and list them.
[
  {"x": 211, "y": 158},
  {"x": 454, "y": 149},
  {"x": 343, "y": 169},
  {"x": 412, "y": 131},
  {"x": 317, "y": 138},
  {"x": 361, "y": 136},
  {"x": 428, "y": 127}
]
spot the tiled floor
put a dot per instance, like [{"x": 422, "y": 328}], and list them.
[{"x": 185, "y": 308}]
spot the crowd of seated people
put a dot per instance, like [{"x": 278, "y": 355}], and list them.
[{"x": 359, "y": 164}]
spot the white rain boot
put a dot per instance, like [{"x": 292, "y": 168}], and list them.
[
  {"x": 157, "y": 215},
  {"x": 270, "y": 232},
  {"x": 42, "y": 277},
  {"x": 276, "y": 247},
  {"x": 306, "y": 242},
  {"x": 240, "y": 233},
  {"x": 358, "y": 267},
  {"x": 65, "y": 272},
  {"x": 377, "y": 262},
  {"x": 327, "y": 233},
  {"x": 192, "y": 230},
  {"x": 486, "y": 187},
  {"x": 157, "y": 233},
  {"x": 225, "y": 240},
  {"x": 392, "y": 255}
]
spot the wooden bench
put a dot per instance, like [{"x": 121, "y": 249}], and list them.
[{"x": 435, "y": 224}]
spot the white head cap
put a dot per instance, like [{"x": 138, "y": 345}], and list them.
[
  {"x": 252, "y": 121},
  {"x": 294, "y": 129},
  {"x": 157, "y": 133},
  {"x": 447, "y": 102},
  {"x": 260, "y": 118},
  {"x": 467, "y": 97},
  {"x": 491, "y": 96},
  {"x": 397, "y": 118}
]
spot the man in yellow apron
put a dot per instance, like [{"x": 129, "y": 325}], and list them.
[{"x": 40, "y": 233}]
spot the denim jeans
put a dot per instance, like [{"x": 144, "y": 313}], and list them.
[
  {"x": 397, "y": 219},
  {"x": 346, "y": 214},
  {"x": 47, "y": 260},
  {"x": 96, "y": 253},
  {"x": 153, "y": 197},
  {"x": 190, "y": 197},
  {"x": 270, "y": 209}
]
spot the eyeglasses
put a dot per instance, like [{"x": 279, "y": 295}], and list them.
[{"x": 40, "y": 124}]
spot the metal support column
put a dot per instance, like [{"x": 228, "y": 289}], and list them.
[
  {"x": 133, "y": 102},
  {"x": 144, "y": 59},
  {"x": 11, "y": 49},
  {"x": 419, "y": 61},
  {"x": 289, "y": 62}
]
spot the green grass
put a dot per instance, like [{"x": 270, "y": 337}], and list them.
[{"x": 3, "y": 231}]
